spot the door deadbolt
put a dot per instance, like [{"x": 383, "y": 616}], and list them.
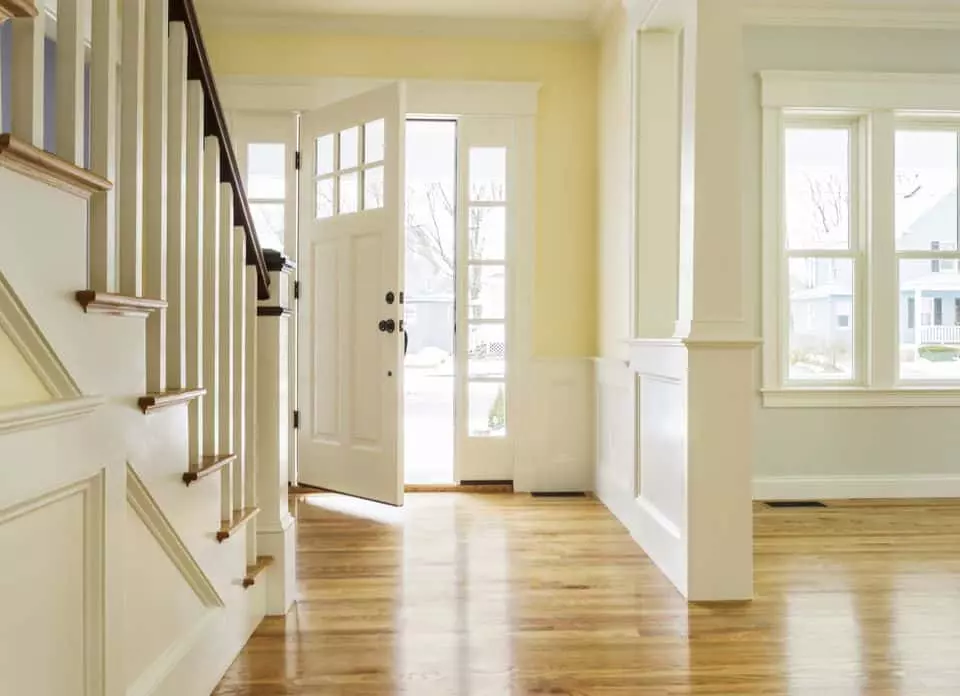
[{"x": 390, "y": 297}]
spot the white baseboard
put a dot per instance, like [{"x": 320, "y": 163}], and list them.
[{"x": 856, "y": 487}]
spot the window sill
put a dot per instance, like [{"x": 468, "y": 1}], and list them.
[{"x": 859, "y": 397}]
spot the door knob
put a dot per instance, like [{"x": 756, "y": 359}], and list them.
[{"x": 387, "y": 325}]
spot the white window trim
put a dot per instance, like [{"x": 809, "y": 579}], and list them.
[{"x": 876, "y": 101}]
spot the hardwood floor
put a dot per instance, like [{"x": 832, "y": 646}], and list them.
[{"x": 499, "y": 595}]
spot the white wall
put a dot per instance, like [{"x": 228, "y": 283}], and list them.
[{"x": 890, "y": 451}]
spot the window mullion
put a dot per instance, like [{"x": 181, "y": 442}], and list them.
[{"x": 880, "y": 269}]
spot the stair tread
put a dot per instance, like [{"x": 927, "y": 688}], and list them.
[
  {"x": 153, "y": 402},
  {"x": 120, "y": 305},
  {"x": 31, "y": 161},
  {"x": 237, "y": 520},
  {"x": 207, "y": 466},
  {"x": 253, "y": 571},
  {"x": 17, "y": 8}
]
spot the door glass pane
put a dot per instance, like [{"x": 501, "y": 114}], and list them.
[
  {"x": 373, "y": 142},
  {"x": 349, "y": 192},
  {"x": 487, "y": 288},
  {"x": 268, "y": 220},
  {"x": 373, "y": 188},
  {"x": 325, "y": 161},
  {"x": 325, "y": 198},
  {"x": 487, "y": 409},
  {"x": 821, "y": 319},
  {"x": 929, "y": 327},
  {"x": 488, "y": 233},
  {"x": 817, "y": 183},
  {"x": 926, "y": 190},
  {"x": 266, "y": 170},
  {"x": 350, "y": 148},
  {"x": 488, "y": 174},
  {"x": 487, "y": 345}
]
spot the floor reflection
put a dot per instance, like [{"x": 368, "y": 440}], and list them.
[{"x": 458, "y": 595}]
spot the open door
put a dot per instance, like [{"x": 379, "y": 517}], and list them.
[{"x": 351, "y": 282}]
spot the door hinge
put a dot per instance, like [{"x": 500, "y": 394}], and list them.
[
  {"x": 296, "y": 289},
  {"x": 296, "y": 420},
  {"x": 296, "y": 160}
]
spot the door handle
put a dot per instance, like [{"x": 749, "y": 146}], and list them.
[{"x": 387, "y": 325}]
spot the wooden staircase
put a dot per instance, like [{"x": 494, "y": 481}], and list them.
[{"x": 175, "y": 243}]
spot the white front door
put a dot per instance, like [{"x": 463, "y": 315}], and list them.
[{"x": 351, "y": 276}]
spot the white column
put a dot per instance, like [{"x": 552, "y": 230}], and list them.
[
  {"x": 103, "y": 144},
  {"x": 26, "y": 79},
  {"x": 721, "y": 390},
  {"x": 176, "y": 207},
  {"x": 275, "y": 531},
  {"x": 193, "y": 285},
  {"x": 211, "y": 297},
  {"x": 225, "y": 315},
  {"x": 71, "y": 21},
  {"x": 657, "y": 124},
  {"x": 239, "y": 370},
  {"x": 131, "y": 148}
]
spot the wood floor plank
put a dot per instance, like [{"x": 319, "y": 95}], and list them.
[{"x": 505, "y": 595}]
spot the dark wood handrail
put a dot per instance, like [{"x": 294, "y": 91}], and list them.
[{"x": 198, "y": 68}]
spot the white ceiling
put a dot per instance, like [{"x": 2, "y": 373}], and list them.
[{"x": 564, "y": 10}]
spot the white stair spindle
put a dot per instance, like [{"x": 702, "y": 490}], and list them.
[
  {"x": 26, "y": 79},
  {"x": 193, "y": 286},
  {"x": 250, "y": 466},
  {"x": 211, "y": 296},
  {"x": 71, "y": 20},
  {"x": 225, "y": 260},
  {"x": 156, "y": 34},
  {"x": 103, "y": 144},
  {"x": 176, "y": 206},
  {"x": 239, "y": 367},
  {"x": 131, "y": 148}
]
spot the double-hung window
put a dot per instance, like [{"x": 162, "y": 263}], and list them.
[{"x": 861, "y": 262}]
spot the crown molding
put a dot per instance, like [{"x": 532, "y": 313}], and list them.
[
  {"x": 909, "y": 14},
  {"x": 413, "y": 27}
]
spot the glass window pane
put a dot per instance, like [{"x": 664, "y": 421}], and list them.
[
  {"x": 488, "y": 291},
  {"x": 268, "y": 221},
  {"x": 325, "y": 207},
  {"x": 373, "y": 142},
  {"x": 488, "y": 233},
  {"x": 929, "y": 327},
  {"x": 821, "y": 319},
  {"x": 817, "y": 188},
  {"x": 488, "y": 174},
  {"x": 349, "y": 193},
  {"x": 487, "y": 409},
  {"x": 266, "y": 170},
  {"x": 350, "y": 148},
  {"x": 487, "y": 350},
  {"x": 926, "y": 190},
  {"x": 325, "y": 162},
  {"x": 373, "y": 188}
]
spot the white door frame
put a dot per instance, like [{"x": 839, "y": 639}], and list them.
[{"x": 512, "y": 101}]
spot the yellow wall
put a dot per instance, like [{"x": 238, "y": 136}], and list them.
[
  {"x": 19, "y": 385},
  {"x": 565, "y": 295}
]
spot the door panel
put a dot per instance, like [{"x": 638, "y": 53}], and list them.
[{"x": 352, "y": 231}]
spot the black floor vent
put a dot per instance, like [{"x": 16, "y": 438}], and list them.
[
  {"x": 503, "y": 482},
  {"x": 795, "y": 504},
  {"x": 559, "y": 494}
]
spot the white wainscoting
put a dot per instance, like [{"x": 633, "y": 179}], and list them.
[
  {"x": 856, "y": 487},
  {"x": 555, "y": 428}
]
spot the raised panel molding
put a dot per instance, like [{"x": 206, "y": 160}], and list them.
[
  {"x": 48, "y": 413},
  {"x": 153, "y": 518},
  {"x": 90, "y": 520},
  {"x": 29, "y": 340}
]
